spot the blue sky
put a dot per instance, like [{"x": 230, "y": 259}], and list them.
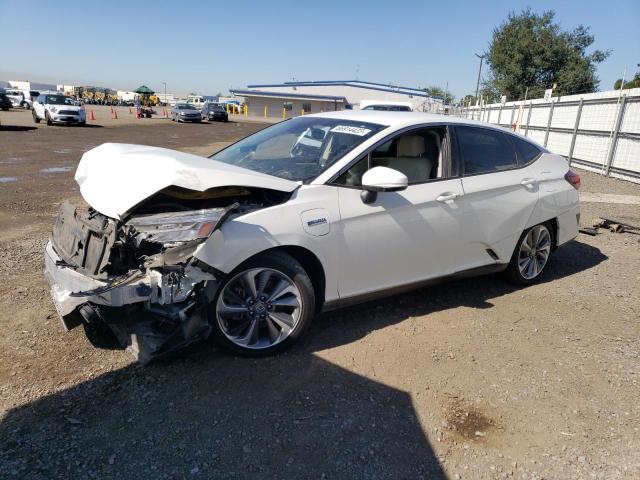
[{"x": 206, "y": 47}]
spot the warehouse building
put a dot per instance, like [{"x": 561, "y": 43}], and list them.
[{"x": 290, "y": 99}]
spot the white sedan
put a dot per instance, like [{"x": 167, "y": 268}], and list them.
[{"x": 247, "y": 246}]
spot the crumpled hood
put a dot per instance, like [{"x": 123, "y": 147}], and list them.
[{"x": 115, "y": 177}]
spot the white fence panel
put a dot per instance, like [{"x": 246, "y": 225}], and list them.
[{"x": 559, "y": 142}]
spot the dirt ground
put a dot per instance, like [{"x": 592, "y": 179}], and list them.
[{"x": 471, "y": 379}]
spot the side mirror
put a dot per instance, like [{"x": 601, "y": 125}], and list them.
[{"x": 381, "y": 179}]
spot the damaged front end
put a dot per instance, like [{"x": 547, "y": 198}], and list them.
[{"x": 138, "y": 276}]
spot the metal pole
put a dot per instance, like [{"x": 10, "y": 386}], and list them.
[
  {"x": 614, "y": 139},
  {"x": 526, "y": 130},
  {"x": 500, "y": 113},
  {"x": 165, "y": 93},
  {"x": 546, "y": 134},
  {"x": 526, "y": 91},
  {"x": 481, "y": 57},
  {"x": 513, "y": 112},
  {"x": 575, "y": 131}
]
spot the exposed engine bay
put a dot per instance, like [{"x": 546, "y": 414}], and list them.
[{"x": 137, "y": 276}]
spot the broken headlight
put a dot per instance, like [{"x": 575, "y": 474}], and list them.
[{"x": 177, "y": 227}]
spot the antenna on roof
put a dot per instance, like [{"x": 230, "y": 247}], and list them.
[{"x": 357, "y": 71}]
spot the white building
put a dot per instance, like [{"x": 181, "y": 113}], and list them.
[
  {"x": 27, "y": 85},
  {"x": 290, "y": 99}
]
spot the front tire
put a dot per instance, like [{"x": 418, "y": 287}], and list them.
[
  {"x": 531, "y": 255},
  {"x": 36, "y": 119},
  {"x": 263, "y": 307},
  {"x": 48, "y": 118}
]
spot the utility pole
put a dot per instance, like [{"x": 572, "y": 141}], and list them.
[
  {"x": 165, "y": 93},
  {"x": 481, "y": 57}
]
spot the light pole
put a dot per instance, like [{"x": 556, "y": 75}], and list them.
[
  {"x": 481, "y": 57},
  {"x": 165, "y": 93}
]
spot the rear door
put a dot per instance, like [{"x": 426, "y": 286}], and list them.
[{"x": 500, "y": 194}]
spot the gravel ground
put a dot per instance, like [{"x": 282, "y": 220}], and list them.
[{"x": 470, "y": 379}]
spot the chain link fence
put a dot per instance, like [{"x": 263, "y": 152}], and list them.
[{"x": 598, "y": 132}]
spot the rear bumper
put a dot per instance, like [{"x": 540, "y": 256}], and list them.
[{"x": 568, "y": 225}]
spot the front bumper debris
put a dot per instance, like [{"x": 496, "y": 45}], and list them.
[{"x": 151, "y": 312}]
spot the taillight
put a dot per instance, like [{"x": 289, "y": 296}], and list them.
[{"x": 573, "y": 178}]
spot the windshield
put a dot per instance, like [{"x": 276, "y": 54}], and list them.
[
  {"x": 184, "y": 106},
  {"x": 299, "y": 149},
  {"x": 59, "y": 100},
  {"x": 216, "y": 107}
]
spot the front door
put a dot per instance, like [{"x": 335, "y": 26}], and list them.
[{"x": 402, "y": 237}]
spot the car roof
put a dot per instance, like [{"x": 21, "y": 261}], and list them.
[{"x": 398, "y": 119}]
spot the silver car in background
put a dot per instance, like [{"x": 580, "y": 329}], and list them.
[{"x": 184, "y": 112}]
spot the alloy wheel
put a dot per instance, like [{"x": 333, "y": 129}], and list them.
[
  {"x": 534, "y": 252},
  {"x": 259, "y": 308}
]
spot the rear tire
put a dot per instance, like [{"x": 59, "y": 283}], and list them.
[
  {"x": 263, "y": 307},
  {"x": 531, "y": 255}
]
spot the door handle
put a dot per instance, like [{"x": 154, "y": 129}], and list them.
[
  {"x": 528, "y": 182},
  {"x": 447, "y": 197}
]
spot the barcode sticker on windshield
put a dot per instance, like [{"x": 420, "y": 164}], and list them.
[{"x": 361, "y": 132}]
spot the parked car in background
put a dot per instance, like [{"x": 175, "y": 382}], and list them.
[
  {"x": 184, "y": 112},
  {"x": 5, "y": 102},
  {"x": 387, "y": 106},
  {"x": 196, "y": 101},
  {"x": 214, "y": 111},
  {"x": 54, "y": 107},
  {"x": 21, "y": 97},
  {"x": 248, "y": 245}
]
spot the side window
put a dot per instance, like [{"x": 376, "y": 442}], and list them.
[
  {"x": 353, "y": 176},
  {"x": 527, "y": 151},
  {"x": 419, "y": 154},
  {"x": 485, "y": 150}
]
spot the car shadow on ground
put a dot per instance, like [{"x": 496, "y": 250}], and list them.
[
  {"x": 16, "y": 128},
  {"x": 352, "y": 323},
  {"x": 209, "y": 415},
  {"x": 204, "y": 413}
]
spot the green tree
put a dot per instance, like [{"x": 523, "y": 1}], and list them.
[
  {"x": 468, "y": 99},
  {"x": 633, "y": 83},
  {"x": 436, "y": 91},
  {"x": 530, "y": 50}
]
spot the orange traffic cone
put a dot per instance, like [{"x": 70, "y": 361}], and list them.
[
  {"x": 114, "y": 113},
  {"x": 91, "y": 115}
]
